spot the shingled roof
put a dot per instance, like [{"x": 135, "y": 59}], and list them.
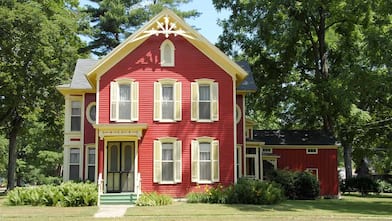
[
  {"x": 293, "y": 137},
  {"x": 248, "y": 84},
  {"x": 79, "y": 80}
]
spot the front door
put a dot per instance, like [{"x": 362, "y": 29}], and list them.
[{"x": 120, "y": 167}]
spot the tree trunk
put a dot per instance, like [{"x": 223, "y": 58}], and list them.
[
  {"x": 12, "y": 153},
  {"x": 348, "y": 156}
]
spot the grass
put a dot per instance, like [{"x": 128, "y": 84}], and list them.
[{"x": 350, "y": 207}]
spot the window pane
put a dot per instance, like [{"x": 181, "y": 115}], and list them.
[
  {"x": 167, "y": 102},
  {"x": 167, "y": 151},
  {"x": 204, "y": 110},
  {"x": 74, "y": 172},
  {"x": 93, "y": 112},
  {"x": 114, "y": 159},
  {"x": 204, "y": 92},
  {"x": 250, "y": 166},
  {"x": 75, "y": 123},
  {"x": 91, "y": 156},
  {"x": 124, "y": 110},
  {"x": 127, "y": 158},
  {"x": 74, "y": 155},
  {"x": 251, "y": 150},
  {"x": 205, "y": 151},
  {"x": 91, "y": 173},
  {"x": 167, "y": 171},
  {"x": 75, "y": 108},
  {"x": 205, "y": 170},
  {"x": 125, "y": 92},
  {"x": 167, "y": 54}
]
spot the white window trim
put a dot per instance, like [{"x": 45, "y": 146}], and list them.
[
  {"x": 172, "y": 53},
  {"x": 68, "y": 113},
  {"x": 214, "y": 100},
  {"x": 195, "y": 176},
  {"x": 313, "y": 169},
  {"x": 267, "y": 150},
  {"x": 86, "y": 154},
  {"x": 67, "y": 162},
  {"x": 89, "y": 106},
  {"x": 134, "y": 89},
  {"x": 177, "y": 99},
  {"x": 177, "y": 163},
  {"x": 311, "y": 150}
]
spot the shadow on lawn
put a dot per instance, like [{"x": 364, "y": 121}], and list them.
[{"x": 370, "y": 207}]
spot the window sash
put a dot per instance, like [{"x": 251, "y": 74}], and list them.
[
  {"x": 76, "y": 111},
  {"x": 74, "y": 156},
  {"x": 168, "y": 101}
]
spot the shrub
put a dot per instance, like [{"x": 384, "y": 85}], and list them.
[
  {"x": 246, "y": 191},
  {"x": 66, "y": 194},
  {"x": 154, "y": 199},
  {"x": 297, "y": 185},
  {"x": 306, "y": 186},
  {"x": 384, "y": 186},
  {"x": 364, "y": 185}
]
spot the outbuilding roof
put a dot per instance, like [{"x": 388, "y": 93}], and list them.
[{"x": 294, "y": 137}]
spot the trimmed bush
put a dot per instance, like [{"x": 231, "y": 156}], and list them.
[
  {"x": 297, "y": 185},
  {"x": 154, "y": 199},
  {"x": 67, "y": 195},
  {"x": 246, "y": 191}
]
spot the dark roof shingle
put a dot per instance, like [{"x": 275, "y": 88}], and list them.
[{"x": 293, "y": 137}]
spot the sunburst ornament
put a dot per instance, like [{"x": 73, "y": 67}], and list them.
[{"x": 167, "y": 28}]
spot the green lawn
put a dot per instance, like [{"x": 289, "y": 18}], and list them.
[{"x": 348, "y": 208}]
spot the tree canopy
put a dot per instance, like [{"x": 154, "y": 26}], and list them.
[
  {"x": 114, "y": 20},
  {"x": 318, "y": 64},
  {"x": 39, "y": 44}
]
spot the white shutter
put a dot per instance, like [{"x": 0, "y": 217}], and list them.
[
  {"x": 215, "y": 161},
  {"x": 215, "y": 103},
  {"x": 135, "y": 101},
  {"x": 113, "y": 101},
  {"x": 157, "y": 162},
  {"x": 194, "y": 101},
  {"x": 177, "y": 101},
  {"x": 157, "y": 101},
  {"x": 195, "y": 161},
  {"x": 177, "y": 155}
]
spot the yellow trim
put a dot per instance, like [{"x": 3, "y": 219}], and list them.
[
  {"x": 132, "y": 42},
  {"x": 301, "y": 146},
  {"x": 254, "y": 144},
  {"x": 120, "y": 126},
  {"x": 68, "y": 91},
  {"x": 270, "y": 157}
]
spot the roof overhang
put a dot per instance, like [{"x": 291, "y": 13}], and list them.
[
  {"x": 67, "y": 90},
  {"x": 166, "y": 23}
]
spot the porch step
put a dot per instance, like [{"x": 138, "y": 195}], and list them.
[{"x": 118, "y": 199}]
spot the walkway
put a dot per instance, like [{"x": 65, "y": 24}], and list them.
[{"x": 111, "y": 211}]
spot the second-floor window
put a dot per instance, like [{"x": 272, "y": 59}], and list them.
[
  {"x": 124, "y": 96},
  {"x": 204, "y": 107},
  {"x": 167, "y": 100},
  {"x": 76, "y": 111}
]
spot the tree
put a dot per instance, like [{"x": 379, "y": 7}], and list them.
[
  {"x": 39, "y": 43},
  {"x": 113, "y": 20},
  {"x": 319, "y": 64}
]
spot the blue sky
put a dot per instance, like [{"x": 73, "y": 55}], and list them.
[{"x": 206, "y": 22}]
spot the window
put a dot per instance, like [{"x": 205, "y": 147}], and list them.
[
  {"x": 74, "y": 164},
  {"x": 267, "y": 150},
  {"x": 91, "y": 112},
  {"x": 167, "y": 161},
  {"x": 124, "y": 95},
  {"x": 311, "y": 151},
  {"x": 204, "y": 105},
  {"x": 167, "y": 100},
  {"x": 313, "y": 171},
  {"x": 167, "y": 54},
  {"x": 75, "y": 115},
  {"x": 238, "y": 114},
  {"x": 91, "y": 163},
  {"x": 205, "y": 160}
]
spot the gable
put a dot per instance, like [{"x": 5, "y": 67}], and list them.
[{"x": 166, "y": 23}]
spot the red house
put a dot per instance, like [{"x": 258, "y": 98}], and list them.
[{"x": 164, "y": 111}]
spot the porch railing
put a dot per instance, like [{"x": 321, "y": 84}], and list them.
[{"x": 100, "y": 188}]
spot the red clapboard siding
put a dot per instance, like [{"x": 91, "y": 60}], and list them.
[
  {"x": 325, "y": 161},
  {"x": 143, "y": 66},
  {"x": 89, "y": 131},
  {"x": 240, "y": 125}
]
